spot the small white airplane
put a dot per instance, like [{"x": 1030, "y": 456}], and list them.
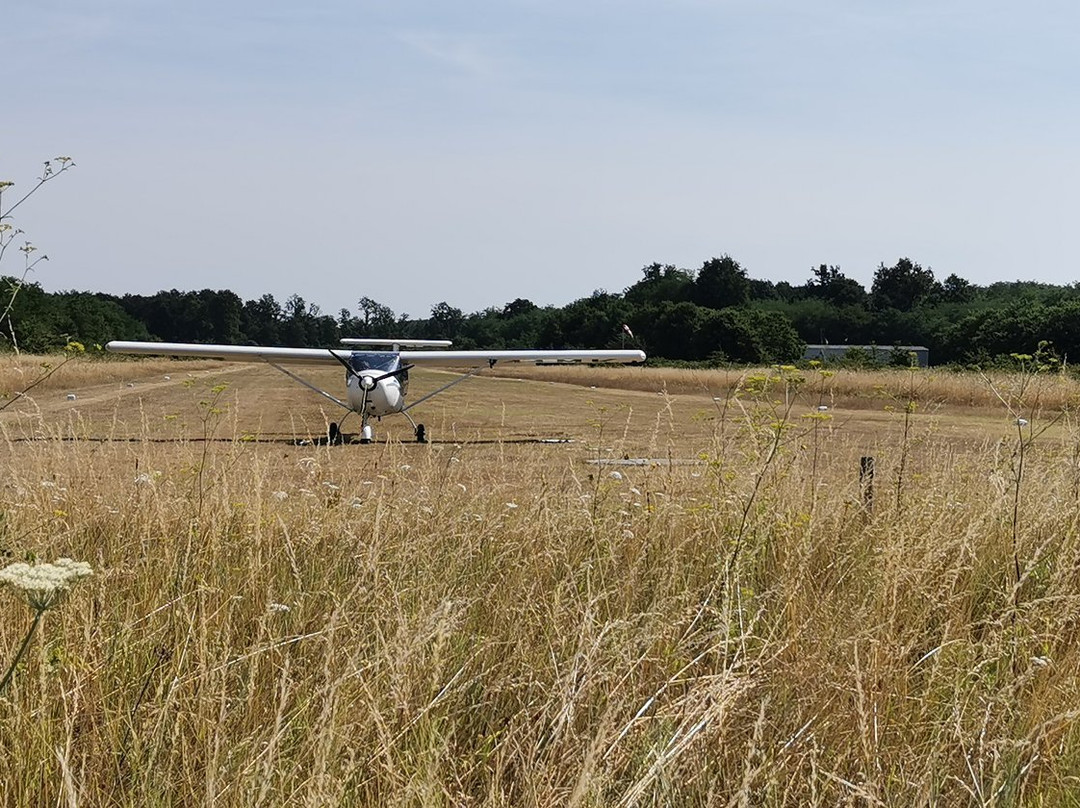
[{"x": 376, "y": 381}]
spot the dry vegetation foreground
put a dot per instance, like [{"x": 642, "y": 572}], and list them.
[{"x": 496, "y": 620}]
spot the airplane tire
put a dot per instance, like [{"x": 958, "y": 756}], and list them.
[
  {"x": 421, "y": 434},
  {"x": 333, "y": 435}
]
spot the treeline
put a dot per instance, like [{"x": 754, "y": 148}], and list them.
[{"x": 714, "y": 313}]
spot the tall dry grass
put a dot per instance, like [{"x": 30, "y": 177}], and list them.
[
  {"x": 852, "y": 389},
  {"x": 510, "y": 625},
  {"x": 61, "y": 372}
]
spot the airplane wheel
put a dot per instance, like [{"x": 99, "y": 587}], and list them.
[
  {"x": 333, "y": 435},
  {"x": 421, "y": 434}
]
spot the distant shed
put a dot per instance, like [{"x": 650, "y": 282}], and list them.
[{"x": 880, "y": 353}]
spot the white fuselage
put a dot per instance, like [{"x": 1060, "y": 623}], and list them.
[{"x": 384, "y": 397}]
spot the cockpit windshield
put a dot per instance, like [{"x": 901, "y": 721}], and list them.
[{"x": 385, "y": 361}]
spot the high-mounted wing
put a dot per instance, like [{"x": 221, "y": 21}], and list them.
[
  {"x": 235, "y": 353},
  {"x": 472, "y": 359},
  {"x": 457, "y": 359}
]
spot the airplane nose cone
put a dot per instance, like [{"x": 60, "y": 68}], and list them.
[{"x": 367, "y": 382}]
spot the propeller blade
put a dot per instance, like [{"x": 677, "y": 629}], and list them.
[
  {"x": 392, "y": 373},
  {"x": 348, "y": 367}
]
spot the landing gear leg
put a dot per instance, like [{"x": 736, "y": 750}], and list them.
[
  {"x": 421, "y": 433},
  {"x": 367, "y": 434}
]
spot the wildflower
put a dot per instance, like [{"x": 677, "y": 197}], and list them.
[
  {"x": 616, "y": 475},
  {"x": 44, "y": 584},
  {"x": 280, "y": 496}
]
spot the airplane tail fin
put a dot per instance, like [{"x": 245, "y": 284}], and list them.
[{"x": 397, "y": 344}]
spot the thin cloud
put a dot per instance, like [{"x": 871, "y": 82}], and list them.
[{"x": 461, "y": 53}]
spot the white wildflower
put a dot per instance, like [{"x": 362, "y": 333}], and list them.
[
  {"x": 143, "y": 479},
  {"x": 280, "y": 496},
  {"x": 616, "y": 475},
  {"x": 43, "y": 584}
]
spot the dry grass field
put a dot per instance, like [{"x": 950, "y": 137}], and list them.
[{"x": 672, "y": 589}]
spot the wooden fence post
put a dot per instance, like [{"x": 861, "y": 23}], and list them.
[{"x": 866, "y": 482}]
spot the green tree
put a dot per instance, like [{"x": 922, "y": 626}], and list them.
[
  {"x": 720, "y": 283},
  {"x": 446, "y": 321},
  {"x": 902, "y": 286},
  {"x": 376, "y": 320},
  {"x": 830, "y": 284},
  {"x": 955, "y": 289},
  {"x": 661, "y": 282}
]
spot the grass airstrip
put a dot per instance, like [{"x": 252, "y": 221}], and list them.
[{"x": 616, "y": 586}]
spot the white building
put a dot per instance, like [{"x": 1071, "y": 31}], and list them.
[{"x": 880, "y": 353}]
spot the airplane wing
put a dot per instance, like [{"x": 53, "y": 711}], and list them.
[
  {"x": 472, "y": 359},
  {"x": 457, "y": 359},
  {"x": 235, "y": 353}
]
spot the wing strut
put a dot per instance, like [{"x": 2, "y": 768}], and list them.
[
  {"x": 308, "y": 384},
  {"x": 445, "y": 387}
]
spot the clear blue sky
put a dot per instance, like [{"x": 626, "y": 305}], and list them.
[{"x": 475, "y": 152}]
